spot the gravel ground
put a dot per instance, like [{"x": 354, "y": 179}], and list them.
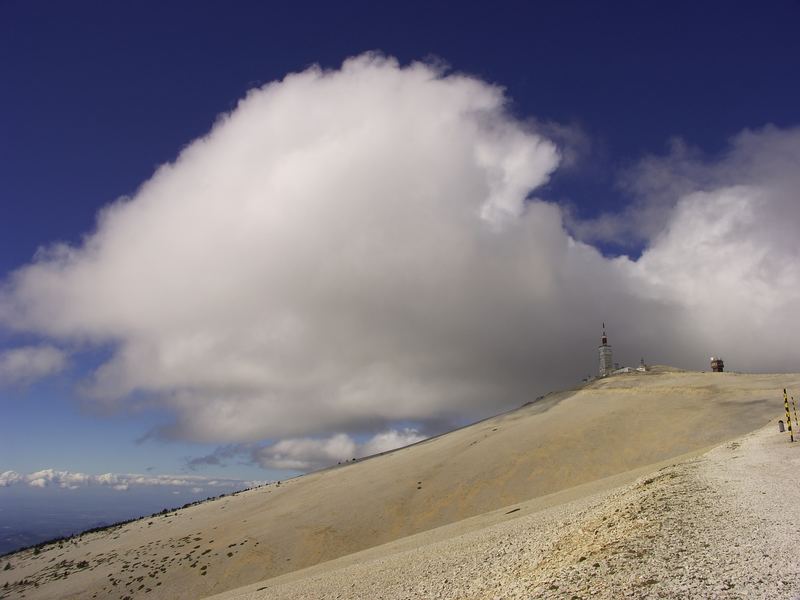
[{"x": 725, "y": 525}]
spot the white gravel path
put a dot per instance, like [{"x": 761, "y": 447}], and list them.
[{"x": 724, "y": 525}]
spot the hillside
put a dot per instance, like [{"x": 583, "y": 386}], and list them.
[
  {"x": 607, "y": 428},
  {"x": 718, "y": 525}
]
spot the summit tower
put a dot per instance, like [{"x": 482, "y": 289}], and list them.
[{"x": 606, "y": 359}]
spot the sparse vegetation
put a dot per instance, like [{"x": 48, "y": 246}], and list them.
[{"x": 37, "y": 548}]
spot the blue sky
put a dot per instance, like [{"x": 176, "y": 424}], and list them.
[{"x": 95, "y": 96}]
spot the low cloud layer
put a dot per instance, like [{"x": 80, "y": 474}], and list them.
[
  {"x": 73, "y": 480},
  {"x": 352, "y": 249}
]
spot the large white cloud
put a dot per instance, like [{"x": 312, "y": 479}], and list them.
[{"x": 356, "y": 248}]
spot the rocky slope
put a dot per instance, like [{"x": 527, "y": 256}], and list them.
[
  {"x": 725, "y": 525},
  {"x": 559, "y": 443}
]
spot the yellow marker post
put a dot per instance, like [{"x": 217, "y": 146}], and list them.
[
  {"x": 788, "y": 418},
  {"x": 794, "y": 409}
]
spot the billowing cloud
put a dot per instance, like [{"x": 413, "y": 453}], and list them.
[
  {"x": 8, "y": 478},
  {"x": 726, "y": 253},
  {"x": 305, "y": 454},
  {"x": 119, "y": 481},
  {"x": 352, "y": 249},
  {"x": 389, "y": 440},
  {"x": 25, "y": 364},
  {"x": 762, "y": 159}
]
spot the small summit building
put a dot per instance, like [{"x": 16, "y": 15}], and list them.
[{"x": 605, "y": 355}]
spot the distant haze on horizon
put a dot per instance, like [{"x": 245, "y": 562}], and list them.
[{"x": 359, "y": 255}]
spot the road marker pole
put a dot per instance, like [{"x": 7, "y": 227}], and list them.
[
  {"x": 788, "y": 417},
  {"x": 794, "y": 408}
]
